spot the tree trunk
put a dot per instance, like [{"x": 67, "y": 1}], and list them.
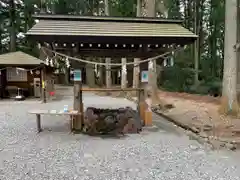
[
  {"x": 150, "y": 8},
  {"x": 196, "y": 47},
  {"x": 229, "y": 93},
  {"x": 106, "y": 7},
  {"x": 136, "y": 68},
  {"x": 12, "y": 14},
  {"x": 139, "y": 8}
]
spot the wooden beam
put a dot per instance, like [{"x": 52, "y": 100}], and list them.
[
  {"x": 78, "y": 106},
  {"x": 112, "y": 39},
  {"x": 110, "y": 89}
]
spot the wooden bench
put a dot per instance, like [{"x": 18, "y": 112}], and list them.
[{"x": 38, "y": 114}]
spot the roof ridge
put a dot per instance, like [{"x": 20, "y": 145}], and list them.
[{"x": 105, "y": 18}]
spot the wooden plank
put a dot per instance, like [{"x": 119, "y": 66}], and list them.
[
  {"x": 51, "y": 112},
  {"x": 111, "y": 89},
  {"x": 78, "y": 106}
]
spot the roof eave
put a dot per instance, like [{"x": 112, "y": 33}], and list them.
[
  {"x": 182, "y": 36},
  {"x": 105, "y": 18}
]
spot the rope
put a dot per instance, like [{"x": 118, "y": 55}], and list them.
[
  {"x": 136, "y": 64},
  {"x": 109, "y": 64}
]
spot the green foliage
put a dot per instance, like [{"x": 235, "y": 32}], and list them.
[
  {"x": 209, "y": 22},
  {"x": 176, "y": 79},
  {"x": 179, "y": 79},
  {"x": 123, "y": 8}
]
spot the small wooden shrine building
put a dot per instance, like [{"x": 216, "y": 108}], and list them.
[
  {"x": 19, "y": 70},
  {"x": 111, "y": 38}
]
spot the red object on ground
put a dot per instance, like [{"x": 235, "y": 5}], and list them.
[{"x": 52, "y": 93}]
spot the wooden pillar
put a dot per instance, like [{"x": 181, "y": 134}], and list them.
[
  {"x": 141, "y": 101},
  {"x": 136, "y": 72},
  {"x": 90, "y": 76},
  {"x": 152, "y": 77},
  {"x": 124, "y": 73},
  {"x": 113, "y": 74},
  {"x": 108, "y": 73},
  {"x": 66, "y": 76},
  {"x": 142, "y": 105},
  {"x": 43, "y": 79},
  {"x": 78, "y": 105},
  {"x": 101, "y": 73}
]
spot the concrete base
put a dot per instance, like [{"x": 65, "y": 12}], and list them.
[{"x": 152, "y": 128}]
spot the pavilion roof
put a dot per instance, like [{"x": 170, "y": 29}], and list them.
[
  {"x": 109, "y": 27},
  {"x": 19, "y": 58}
]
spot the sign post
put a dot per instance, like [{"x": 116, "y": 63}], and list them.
[
  {"x": 78, "y": 101},
  {"x": 43, "y": 76},
  {"x": 142, "y": 96}
]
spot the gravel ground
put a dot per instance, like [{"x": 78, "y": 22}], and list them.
[{"x": 57, "y": 154}]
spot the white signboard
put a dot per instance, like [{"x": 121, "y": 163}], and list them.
[{"x": 144, "y": 76}]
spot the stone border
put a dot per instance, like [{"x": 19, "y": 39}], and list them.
[{"x": 215, "y": 142}]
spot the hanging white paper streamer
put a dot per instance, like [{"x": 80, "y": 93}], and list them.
[
  {"x": 47, "y": 61},
  {"x": 165, "y": 62},
  {"x": 150, "y": 65},
  {"x": 98, "y": 74},
  {"x": 67, "y": 62},
  {"x": 51, "y": 63},
  {"x": 124, "y": 69},
  {"x": 96, "y": 69}
]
